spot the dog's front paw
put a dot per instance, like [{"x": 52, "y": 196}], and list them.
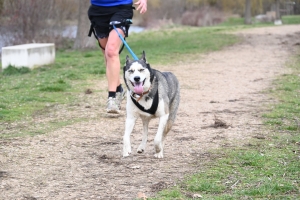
[
  {"x": 141, "y": 148},
  {"x": 159, "y": 155},
  {"x": 126, "y": 151},
  {"x": 126, "y": 154},
  {"x": 158, "y": 149}
]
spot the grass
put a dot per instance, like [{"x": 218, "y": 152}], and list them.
[
  {"x": 25, "y": 91},
  {"x": 265, "y": 169},
  {"x": 291, "y": 19}
]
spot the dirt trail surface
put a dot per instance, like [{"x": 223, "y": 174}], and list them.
[{"x": 221, "y": 101}]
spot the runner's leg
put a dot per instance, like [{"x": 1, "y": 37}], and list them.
[{"x": 113, "y": 60}]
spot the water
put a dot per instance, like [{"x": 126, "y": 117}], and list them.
[{"x": 136, "y": 29}]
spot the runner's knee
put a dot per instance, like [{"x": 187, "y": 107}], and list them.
[{"x": 111, "y": 51}]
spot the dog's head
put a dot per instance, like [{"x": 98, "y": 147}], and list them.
[{"x": 138, "y": 74}]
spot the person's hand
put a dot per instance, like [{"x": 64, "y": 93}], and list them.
[{"x": 142, "y": 6}]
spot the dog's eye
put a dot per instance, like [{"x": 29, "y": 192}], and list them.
[
  {"x": 140, "y": 70},
  {"x": 130, "y": 71}
]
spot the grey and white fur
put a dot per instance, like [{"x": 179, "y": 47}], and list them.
[{"x": 150, "y": 94}]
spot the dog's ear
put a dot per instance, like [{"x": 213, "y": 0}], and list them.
[
  {"x": 143, "y": 58},
  {"x": 127, "y": 60}
]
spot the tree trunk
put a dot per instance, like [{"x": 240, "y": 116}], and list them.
[
  {"x": 277, "y": 7},
  {"x": 1, "y": 6},
  {"x": 82, "y": 40},
  {"x": 248, "y": 12}
]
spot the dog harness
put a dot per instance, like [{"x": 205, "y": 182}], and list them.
[{"x": 152, "y": 109}]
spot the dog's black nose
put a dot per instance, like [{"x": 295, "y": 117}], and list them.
[{"x": 137, "y": 78}]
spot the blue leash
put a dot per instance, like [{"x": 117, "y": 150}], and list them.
[{"x": 126, "y": 45}]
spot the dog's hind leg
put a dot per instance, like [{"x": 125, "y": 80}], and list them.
[
  {"x": 130, "y": 122},
  {"x": 167, "y": 129},
  {"x": 160, "y": 135},
  {"x": 142, "y": 146}
]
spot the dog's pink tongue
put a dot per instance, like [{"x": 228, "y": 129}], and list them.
[{"x": 138, "y": 88}]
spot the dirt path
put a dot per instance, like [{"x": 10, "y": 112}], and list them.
[{"x": 83, "y": 161}]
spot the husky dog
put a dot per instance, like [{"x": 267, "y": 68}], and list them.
[{"x": 150, "y": 94}]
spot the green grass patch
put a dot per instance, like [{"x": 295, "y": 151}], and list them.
[
  {"x": 291, "y": 19},
  {"x": 268, "y": 172},
  {"x": 286, "y": 112},
  {"x": 264, "y": 169},
  {"x": 57, "y": 86},
  {"x": 25, "y": 91},
  {"x": 11, "y": 70}
]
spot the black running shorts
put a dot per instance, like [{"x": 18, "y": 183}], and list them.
[{"x": 101, "y": 17}]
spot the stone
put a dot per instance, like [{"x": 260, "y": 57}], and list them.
[{"x": 28, "y": 55}]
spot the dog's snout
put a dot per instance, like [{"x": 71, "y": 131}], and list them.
[{"x": 137, "y": 78}]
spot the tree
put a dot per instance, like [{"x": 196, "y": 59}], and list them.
[
  {"x": 1, "y": 6},
  {"x": 82, "y": 40},
  {"x": 27, "y": 21},
  {"x": 248, "y": 12},
  {"x": 277, "y": 9}
]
